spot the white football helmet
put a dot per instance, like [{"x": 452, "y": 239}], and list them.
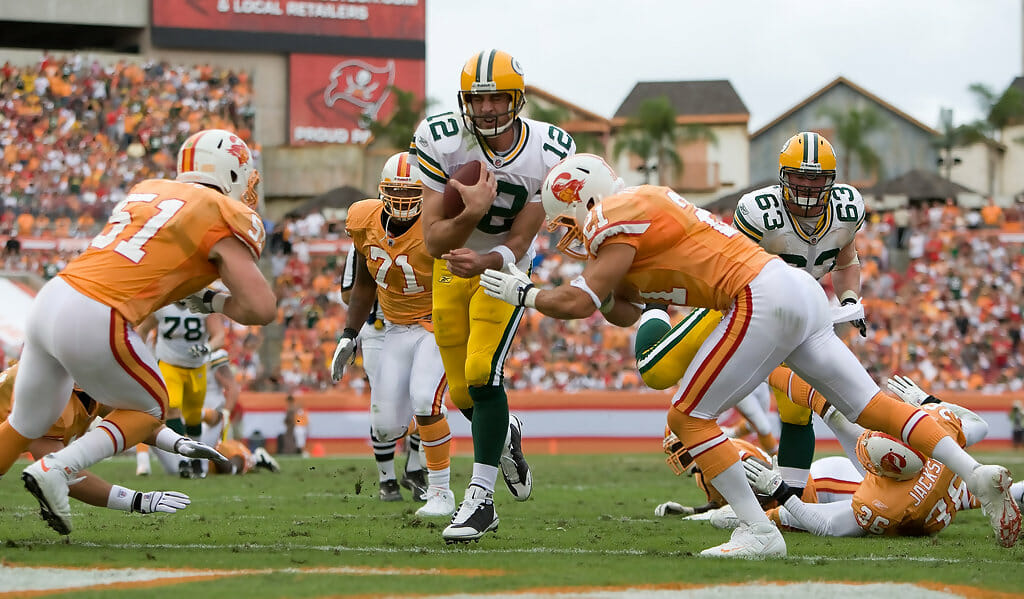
[
  {"x": 220, "y": 159},
  {"x": 884, "y": 455},
  {"x": 571, "y": 189},
  {"x": 401, "y": 188}
]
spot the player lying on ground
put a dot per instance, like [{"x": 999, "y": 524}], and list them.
[{"x": 90, "y": 488}]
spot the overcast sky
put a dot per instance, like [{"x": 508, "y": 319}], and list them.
[{"x": 919, "y": 55}]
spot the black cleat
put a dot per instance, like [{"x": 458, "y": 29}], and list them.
[
  {"x": 389, "y": 490},
  {"x": 416, "y": 482}
]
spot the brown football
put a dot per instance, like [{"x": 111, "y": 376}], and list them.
[{"x": 467, "y": 174}]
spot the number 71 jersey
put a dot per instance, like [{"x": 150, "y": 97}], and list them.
[
  {"x": 156, "y": 245},
  {"x": 761, "y": 216}
]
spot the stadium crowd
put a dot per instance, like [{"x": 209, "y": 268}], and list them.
[{"x": 943, "y": 291}]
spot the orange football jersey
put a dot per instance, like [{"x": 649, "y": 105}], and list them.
[
  {"x": 155, "y": 247},
  {"x": 74, "y": 420},
  {"x": 920, "y": 506},
  {"x": 231, "y": 448},
  {"x": 684, "y": 255},
  {"x": 400, "y": 265}
]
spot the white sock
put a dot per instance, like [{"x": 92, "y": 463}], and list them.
[
  {"x": 439, "y": 478},
  {"x": 732, "y": 484},
  {"x": 954, "y": 457},
  {"x": 386, "y": 470},
  {"x": 85, "y": 451},
  {"x": 484, "y": 476}
]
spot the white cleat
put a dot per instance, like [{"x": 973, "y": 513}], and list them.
[
  {"x": 751, "y": 541},
  {"x": 723, "y": 517},
  {"x": 514, "y": 469},
  {"x": 265, "y": 460},
  {"x": 991, "y": 485},
  {"x": 440, "y": 503},
  {"x": 47, "y": 480},
  {"x": 143, "y": 469}
]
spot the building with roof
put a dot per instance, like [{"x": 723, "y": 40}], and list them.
[
  {"x": 709, "y": 168},
  {"x": 903, "y": 143}
]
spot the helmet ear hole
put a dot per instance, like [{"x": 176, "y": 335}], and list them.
[{"x": 234, "y": 177}]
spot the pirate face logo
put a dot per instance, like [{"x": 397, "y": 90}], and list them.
[{"x": 362, "y": 84}]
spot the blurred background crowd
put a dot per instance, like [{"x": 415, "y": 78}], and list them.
[{"x": 942, "y": 285}]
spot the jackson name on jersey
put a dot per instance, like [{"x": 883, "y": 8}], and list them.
[
  {"x": 761, "y": 216},
  {"x": 442, "y": 144}
]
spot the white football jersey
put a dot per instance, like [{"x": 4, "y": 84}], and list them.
[
  {"x": 178, "y": 329},
  {"x": 443, "y": 143},
  {"x": 761, "y": 216}
]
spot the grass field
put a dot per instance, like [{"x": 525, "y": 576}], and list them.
[{"x": 317, "y": 529}]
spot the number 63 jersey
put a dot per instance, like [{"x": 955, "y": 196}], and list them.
[
  {"x": 761, "y": 216},
  {"x": 156, "y": 245},
  {"x": 442, "y": 144}
]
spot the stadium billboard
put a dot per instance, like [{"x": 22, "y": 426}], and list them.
[
  {"x": 378, "y": 27},
  {"x": 329, "y": 95}
]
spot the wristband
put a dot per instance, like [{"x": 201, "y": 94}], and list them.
[
  {"x": 506, "y": 253},
  {"x": 121, "y": 498},
  {"x": 349, "y": 333},
  {"x": 848, "y": 297},
  {"x": 783, "y": 493},
  {"x": 167, "y": 440},
  {"x": 528, "y": 296}
]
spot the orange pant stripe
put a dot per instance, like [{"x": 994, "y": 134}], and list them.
[
  {"x": 133, "y": 365},
  {"x": 435, "y": 406},
  {"x": 720, "y": 355}
]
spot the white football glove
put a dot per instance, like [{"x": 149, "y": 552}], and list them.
[
  {"x": 206, "y": 301},
  {"x": 907, "y": 390},
  {"x": 764, "y": 480},
  {"x": 167, "y": 502},
  {"x": 670, "y": 508},
  {"x": 850, "y": 299},
  {"x": 194, "y": 449},
  {"x": 344, "y": 354},
  {"x": 513, "y": 287},
  {"x": 199, "y": 350}
]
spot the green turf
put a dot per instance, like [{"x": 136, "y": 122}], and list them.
[{"x": 590, "y": 523}]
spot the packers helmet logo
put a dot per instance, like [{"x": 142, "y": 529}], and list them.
[
  {"x": 239, "y": 151},
  {"x": 566, "y": 189},
  {"x": 515, "y": 67}
]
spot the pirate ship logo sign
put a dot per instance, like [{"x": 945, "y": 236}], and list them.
[{"x": 361, "y": 84}]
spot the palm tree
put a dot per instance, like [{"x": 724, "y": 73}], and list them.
[
  {"x": 951, "y": 136},
  {"x": 651, "y": 135},
  {"x": 852, "y": 128},
  {"x": 1000, "y": 110},
  {"x": 398, "y": 130}
]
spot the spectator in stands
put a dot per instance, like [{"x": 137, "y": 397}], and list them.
[{"x": 1017, "y": 424}]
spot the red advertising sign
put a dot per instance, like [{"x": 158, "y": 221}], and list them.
[
  {"x": 328, "y": 95},
  {"x": 381, "y": 19}
]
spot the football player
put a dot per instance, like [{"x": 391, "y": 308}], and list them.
[
  {"x": 74, "y": 421},
  {"x": 899, "y": 491},
  {"x": 371, "y": 342},
  {"x": 649, "y": 244},
  {"x": 166, "y": 241},
  {"x": 501, "y": 217},
  {"x": 183, "y": 344},
  {"x": 393, "y": 266}
]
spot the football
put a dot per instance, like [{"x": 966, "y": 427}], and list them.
[{"x": 467, "y": 174}]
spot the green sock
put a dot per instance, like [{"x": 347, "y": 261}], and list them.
[
  {"x": 796, "y": 445},
  {"x": 177, "y": 425},
  {"x": 490, "y": 423},
  {"x": 194, "y": 431},
  {"x": 649, "y": 334}
]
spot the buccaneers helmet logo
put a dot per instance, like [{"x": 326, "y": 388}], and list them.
[
  {"x": 362, "y": 84},
  {"x": 566, "y": 189},
  {"x": 893, "y": 462},
  {"x": 239, "y": 151}
]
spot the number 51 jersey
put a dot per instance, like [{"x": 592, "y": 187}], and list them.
[
  {"x": 442, "y": 144},
  {"x": 761, "y": 216},
  {"x": 155, "y": 247}
]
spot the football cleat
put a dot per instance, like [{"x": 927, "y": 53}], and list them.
[
  {"x": 991, "y": 485},
  {"x": 185, "y": 469},
  {"x": 389, "y": 490},
  {"x": 475, "y": 517},
  {"x": 265, "y": 460},
  {"x": 751, "y": 541},
  {"x": 514, "y": 468},
  {"x": 724, "y": 517},
  {"x": 416, "y": 482},
  {"x": 440, "y": 502},
  {"x": 142, "y": 468},
  {"x": 197, "y": 468},
  {"x": 47, "y": 480}
]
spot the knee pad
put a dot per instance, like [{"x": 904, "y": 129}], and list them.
[{"x": 388, "y": 434}]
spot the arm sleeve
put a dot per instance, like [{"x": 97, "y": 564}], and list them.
[
  {"x": 821, "y": 519},
  {"x": 348, "y": 278}
]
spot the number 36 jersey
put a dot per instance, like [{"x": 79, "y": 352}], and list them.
[
  {"x": 155, "y": 247},
  {"x": 761, "y": 216},
  {"x": 442, "y": 144}
]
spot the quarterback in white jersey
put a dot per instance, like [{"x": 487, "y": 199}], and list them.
[
  {"x": 501, "y": 217},
  {"x": 811, "y": 223}
]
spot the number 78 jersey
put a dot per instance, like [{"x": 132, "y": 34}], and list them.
[
  {"x": 761, "y": 216},
  {"x": 442, "y": 144},
  {"x": 156, "y": 245}
]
